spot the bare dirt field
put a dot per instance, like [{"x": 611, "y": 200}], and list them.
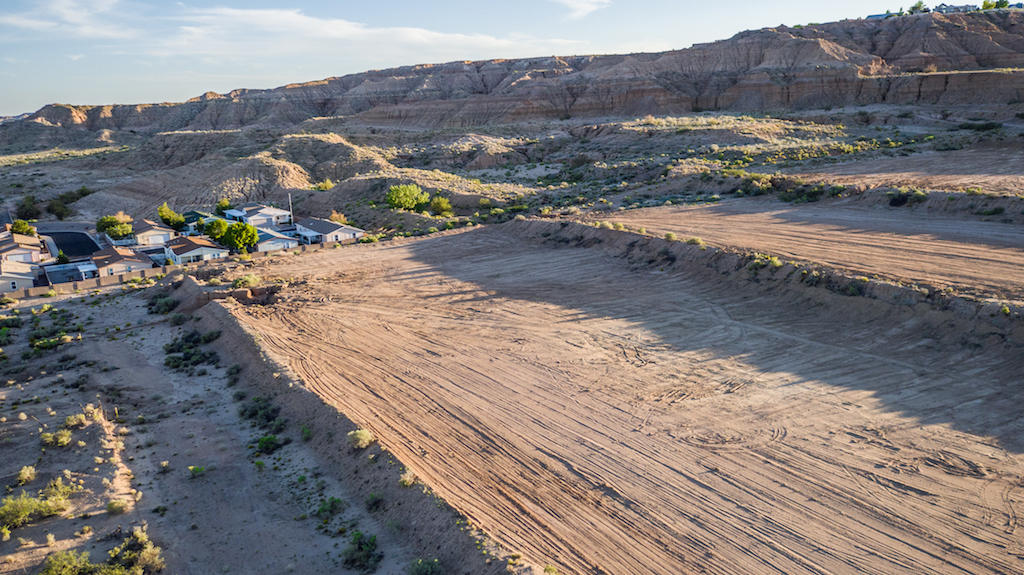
[
  {"x": 995, "y": 168},
  {"x": 608, "y": 419},
  {"x": 982, "y": 257}
]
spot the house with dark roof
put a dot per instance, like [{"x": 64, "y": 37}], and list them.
[
  {"x": 190, "y": 249},
  {"x": 73, "y": 272},
  {"x": 118, "y": 260},
  {"x": 195, "y": 219},
  {"x": 320, "y": 231}
]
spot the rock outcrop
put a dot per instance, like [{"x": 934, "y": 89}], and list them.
[{"x": 924, "y": 59}]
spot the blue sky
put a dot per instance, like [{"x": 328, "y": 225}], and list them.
[{"x": 135, "y": 51}]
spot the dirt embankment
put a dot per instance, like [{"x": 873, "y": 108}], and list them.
[{"x": 613, "y": 415}]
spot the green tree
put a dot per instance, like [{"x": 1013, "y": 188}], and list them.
[
  {"x": 22, "y": 227},
  {"x": 171, "y": 217},
  {"x": 988, "y": 5},
  {"x": 27, "y": 208},
  {"x": 61, "y": 258},
  {"x": 222, "y": 206},
  {"x": 406, "y": 197},
  {"x": 58, "y": 208},
  {"x": 117, "y": 226},
  {"x": 441, "y": 206},
  {"x": 240, "y": 236},
  {"x": 1001, "y": 4},
  {"x": 918, "y": 8},
  {"x": 216, "y": 229}
]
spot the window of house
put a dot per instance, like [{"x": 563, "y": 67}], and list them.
[{"x": 14, "y": 285}]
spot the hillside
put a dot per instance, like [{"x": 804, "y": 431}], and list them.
[{"x": 924, "y": 59}]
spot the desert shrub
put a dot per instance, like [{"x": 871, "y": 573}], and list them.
[
  {"x": 441, "y": 206},
  {"x": 10, "y": 321},
  {"x": 58, "y": 209},
  {"x": 323, "y": 186},
  {"x": 360, "y": 438},
  {"x": 330, "y": 507},
  {"x": 179, "y": 319},
  {"x": 670, "y": 237},
  {"x": 246, "y": 281},
  {"x": 762, "y": 261},
  {"x": 117, "y": 226},
  {"x": 270, "y": 443},
  {"x": 697, "y": 242},
  {"x": 406, "y": 197},
  {"x": 22, "y": 509},
  {"x": 26, "y": 474},
  {"x": 136, "y": 555},
  {"x": 76, "y": 420},
  {"x": 117, "y": 507},
  {"x": 61, "y": 438},
  {"x": 263, "y": 414},
  {"x": 362, "y": 554},
  {"x": 991, "y": 211},
  {"x": 369, "y": 239},
  {"x": 604, "y": 225},
  {"x": 425, "y": 567},
  {"x": 307, "y": 433},
  {"x": 28, "y": 209},
  {"x": 906, "y": 196},
  {"x": 407, "y": 479},
  {"x": 184, "y": 354},
  {"x": 58, "y": 491}
]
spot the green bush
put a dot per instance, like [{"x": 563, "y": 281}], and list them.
[
  {"x": 26, "y": 474},
  {"x": 161, "y": 304},
  {"x": 406, "y": 197},
  {"x": 441, "y": 206},
  {"x": 27, "y": 208},
  {"x": 117, "y": 507},
  {"x": 117, "y": 226},
  {"x": 62, "y": 438},
  {"x": 22, "y": 227},
  {"x": 362, "y": 554},
  {"x": 270, "y": 443},
  {"x": 23, "y": 509},
  {"x": 323, "y": 186},
  {"x": 246, "y": 281},
  {"x": 170, "y": 217},
  {"x": 58, "y": 209}
]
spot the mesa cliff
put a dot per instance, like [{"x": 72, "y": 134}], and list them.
[{"x": 929, "y": 59}]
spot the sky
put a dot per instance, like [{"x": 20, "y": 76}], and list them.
[{"x": 141, "y": 51}]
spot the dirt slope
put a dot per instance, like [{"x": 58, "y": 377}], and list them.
[
  {"x": 611, "y": 420},
  {"x": 981, "y": 257}
]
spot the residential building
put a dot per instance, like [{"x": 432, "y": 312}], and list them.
[
  {"x": 950, "y": 9},
  {"x": 73, "y": 272},
  {"x": 16, "y": 275},
  {"x": 118, "y": 260},
  {"x": 259, "y": 215},
  {"x": 18, "y": 248},
  {"x": 195, "y": 219},
  {"x": 319, "y": 231},
  {"x": 190, "y": 249},
  {"x": 149, "y": 233},
  {"x": 271, "y": 241}
]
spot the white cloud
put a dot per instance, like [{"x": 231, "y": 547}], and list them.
[
  {"x": 82, "y": 18},
  {"x": 75, "y": 57},
  {"x": 252, "y": 33},
  {"x": 582, "y": 8}
]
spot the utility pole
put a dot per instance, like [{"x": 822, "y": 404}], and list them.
[{"x": 291, "y": 214}]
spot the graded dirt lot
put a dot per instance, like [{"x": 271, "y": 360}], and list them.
[
  {"x": 604, "y": 418},
  {"x": 995, "y": 168},
  {"x": 972, "y": 256}
]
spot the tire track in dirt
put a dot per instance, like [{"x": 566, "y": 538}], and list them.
[{"x": 498, "y": 376}]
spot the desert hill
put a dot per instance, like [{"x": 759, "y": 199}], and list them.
[{"x": 923, "y": 59}]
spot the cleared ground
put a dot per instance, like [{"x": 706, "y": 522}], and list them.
[
  {"x": 610, "y": 420},
  {"x": 968, "y": 255},
  {"x": 995, "y": 168}
]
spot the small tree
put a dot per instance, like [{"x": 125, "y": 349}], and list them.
[
  {"x": 117, "y": 226},
  {"x": 919, "y": 8},
  {"x": 222, "y": 206},
  {"x": 1001, "y": 4},
  {"x": 171, "y": 217},
  {"x": 338, "y": 217},
  {"x": 240, "y": 236},
  {"x": 216, "y": 229},
  {"x": 61, "y": 258},
  {"x": 406, "y": 197},
  {"x": 22, "y": 227},
  {"x": 441, "y": 206}
]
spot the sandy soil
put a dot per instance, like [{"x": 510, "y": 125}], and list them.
[
  {"x": 613, "y": 420},
  {"x": 997, "y": 168},
  {"x": 981, "y": 257}
]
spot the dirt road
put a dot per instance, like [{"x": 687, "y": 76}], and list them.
[
  {"x": 980, "y": 257},
  {"x": 607, "y": 420}
]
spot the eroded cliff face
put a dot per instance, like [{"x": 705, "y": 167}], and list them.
[{"x": 926, "y": 59}]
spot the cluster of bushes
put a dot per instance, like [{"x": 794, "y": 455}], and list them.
[
  {"x": 59, "y": 206},
  {"x": 22, "y": 509},
  {"x": 980, "y": 126},
  {"x": 906, "y": 197},
  {"x": 184, "y": 353},
  {"x": 362, "y": 554},
  {"x": 264, "y": 415},
  {"x": 412, "y": 197},
  {"x": 136, "y": 555},
  {"x": 161, "y": 304},
  {"x": 117, "y": 226}
]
